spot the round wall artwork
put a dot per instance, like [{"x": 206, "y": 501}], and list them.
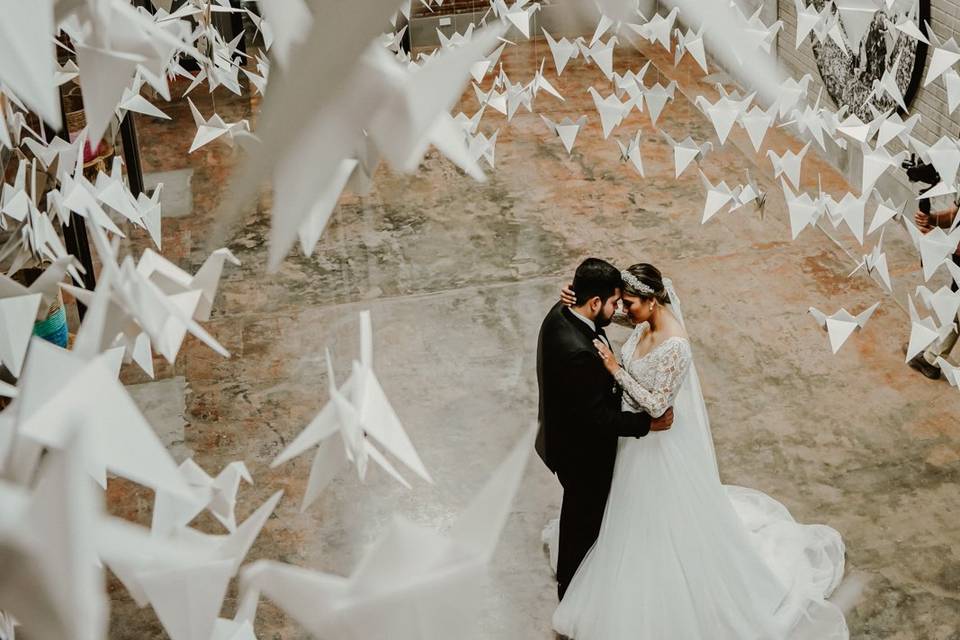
[{"x": 849, "y": 75}]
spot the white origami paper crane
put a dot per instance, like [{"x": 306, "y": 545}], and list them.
[
  {"x": 132, "y": 100},
  {"x": 924, "y": 331},
  {"x": 260, "y": 79},
  {"x": 58, "y": 155},
  {"x": 954, "y": 271},
  {"x": 749, "y": 193},
  {"x": 137, "y": 305},
  {"x": 401, "y": 112},
  {"x": 66, "y": 72},
  {"x": 631, "y": 84},
  {"x": 360, "y": 413},
  {"x": 89, "y": 398},
  {"x": 944, "y": 303},
  {"x": 470, "y": 124},
  {"x": 950, "y": 372},
  {"x": 875, "y": 163},
  {"x": 491, "y": 98},
  {"x": 788, "y": 164},
  {"x": 14, "y": 200},
  {"x": 173, "y": 280},
  {"x": 457, "y": 39},
  {"x": 171, "y": 512},
  {"x": 36, "y": 239},
  {"x": 17, "y": 315},
  {"x": 886, "y": 210},
  {"x": 562, "y": 51},
  {"x": 658, "y": 28},
  {"x": 853, "y": 127},
  {"x": 810, "y": 120},
  {"x": 856, "y": 17},
  {"x": 414, "y": 112},
  {"x": 184, "y": 577},
  {"x": 602, "y": 54},
  {"x": 887, "y": 84},
  {"x": 19, "y": 306},
  {"x": 935, "y": 246},
  {"x": 790, "y": 92},
  {"x": 51, "y": 582},
  {"x": 104, "y": 74},
  {"x": 944, "y": 154},
  {"x": 909, "y": 26},
  {"x": 804, "y": 211},
  {"x": 393, "y": 40},
  {"x": 79, "y": 196},
  {"x": 891, "y": 126},
  {"x": 481, "y": 68},
  {"x": 611, "y": 110},
  {"x": 29, "y": 56},
  {"x": 691, "y": 42},
  {"x": 724, "y": 113},
  {"x": 483, "y": 147},
  {"x": 519, "y": 14},
  {"x": 517, "y": 95},
  {"x": 951, "y": 80},
  {"x": 111, "y": 190},
  {"x": 603, "y": 25},
  {"x": 540, "y": 82},
  {"x": 225, "y": 629},
  {"x": 757, "y": 122},
  {"x": 718, "y": 196},
  {"x": 808, "y": 18},
  {"x": 849, "y": 210},
  {"x": 414, "y": 583},
  {"x": 685, "y": 151},
  {"x": 7, "y": 391},
  {"x": 149, "y": 211},
  {"x": 566, "y": 130},
  {"x": 945, "y": 55},
  {"x": 630, "y": 152},
  {"x": 842, "y": 324},
  {"x": 214, "y": 127},
  {"x": 875, "y": 263},
  {"x": 657, "y": 97}
]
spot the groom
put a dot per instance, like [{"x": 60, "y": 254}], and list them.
[{"x": 580, "y": 416}]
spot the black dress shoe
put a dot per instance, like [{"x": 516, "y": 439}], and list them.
[{"x": 919, "y": 363}]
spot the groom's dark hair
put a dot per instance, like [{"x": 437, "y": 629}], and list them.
[{"x": 595, "y": 277}]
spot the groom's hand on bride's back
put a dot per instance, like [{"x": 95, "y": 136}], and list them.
[{"x": 663, "y": 422}]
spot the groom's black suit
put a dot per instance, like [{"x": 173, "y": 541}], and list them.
[{"x": 580, "y": 421}]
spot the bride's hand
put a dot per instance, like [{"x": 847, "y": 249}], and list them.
[
  {"x": 567, "y": 296},
  {"x": 609, "y": 361}
]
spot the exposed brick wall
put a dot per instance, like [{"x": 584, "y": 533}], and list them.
[{"x": 929, "y": 102}]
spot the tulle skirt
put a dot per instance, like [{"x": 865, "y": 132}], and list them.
[{"x": 682, "y": 557}]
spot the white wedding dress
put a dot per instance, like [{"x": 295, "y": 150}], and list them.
[{"x": 680, "y": 556}]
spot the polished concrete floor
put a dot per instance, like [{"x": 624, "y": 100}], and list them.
[{"x": 458, "y": 275}]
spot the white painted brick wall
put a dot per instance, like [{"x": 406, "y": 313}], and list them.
[{"x": 929, "y": 102}]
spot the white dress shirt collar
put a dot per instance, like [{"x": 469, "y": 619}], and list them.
[{"x": 586, "y": 321}]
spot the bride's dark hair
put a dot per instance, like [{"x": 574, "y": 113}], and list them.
[{"x": 650, "y": 276}]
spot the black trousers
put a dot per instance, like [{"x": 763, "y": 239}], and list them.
[{"x": 581, "y": 515}]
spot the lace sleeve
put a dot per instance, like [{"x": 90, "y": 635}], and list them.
[{"x": 669, "y": 370}]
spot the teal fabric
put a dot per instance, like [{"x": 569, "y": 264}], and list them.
[{"x": 54, "y": 328}]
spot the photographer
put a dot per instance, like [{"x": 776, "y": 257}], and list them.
[{"x": 926, "y": 362}]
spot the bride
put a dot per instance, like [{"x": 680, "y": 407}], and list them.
[{"x": 681, "y": 556}]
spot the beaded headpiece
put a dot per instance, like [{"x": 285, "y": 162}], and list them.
[{"x": 634, "y": 283}]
